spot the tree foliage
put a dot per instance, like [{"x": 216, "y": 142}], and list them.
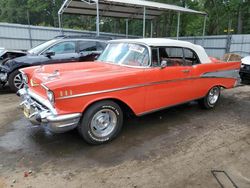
[{"x": 223, "y": 16}]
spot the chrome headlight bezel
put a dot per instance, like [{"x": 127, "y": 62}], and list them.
[
  {"x": 51, "y": 96},
  {"x": 25, "y": 78}
]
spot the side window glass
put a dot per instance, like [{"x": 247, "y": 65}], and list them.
[
  {"x": 190, "y": 57},
  {"x": 174, "y": 52},
  {"x": 100, "y": 46},
  {"x": 63, "y": 48},
  {"x": 86, "y": 46},
  {"x": 173, "y": 55}
]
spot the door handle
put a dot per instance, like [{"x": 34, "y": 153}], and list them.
[{"x": 186, "y": 71}]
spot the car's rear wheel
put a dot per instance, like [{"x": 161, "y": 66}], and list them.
[
  {"x": 101, "y": 122},
  {"x": 211, "y": 99},
  {"x": 16, "y": 81}
]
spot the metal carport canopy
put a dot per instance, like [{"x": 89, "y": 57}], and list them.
[{"x": 129, "y": 9}]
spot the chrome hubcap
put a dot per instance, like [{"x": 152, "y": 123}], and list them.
[
  {"x": 103, "y": 123},
  {"x": 18, "y": 81},
  {"x": 213, "y": 95}
]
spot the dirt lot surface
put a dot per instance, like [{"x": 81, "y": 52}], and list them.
[{"x": 178, "y": 147}]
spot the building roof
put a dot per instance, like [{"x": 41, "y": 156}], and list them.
[{"x": 122, "y": 9}]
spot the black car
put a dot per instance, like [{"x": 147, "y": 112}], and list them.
[
  {"x": 58, "y": 50},
  {"x": 6, "y": 54}
]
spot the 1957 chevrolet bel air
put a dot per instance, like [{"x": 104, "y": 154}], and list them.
[{"x": 136, "y": 76}]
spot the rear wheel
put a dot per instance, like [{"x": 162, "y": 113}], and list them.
[
  {"x": 16, "y": 81},
  {"x": 101, "y": 122},
  {"x": 211, "y": 99}
]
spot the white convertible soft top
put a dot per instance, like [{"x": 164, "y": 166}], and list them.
[{"x": 157, "y": 42}]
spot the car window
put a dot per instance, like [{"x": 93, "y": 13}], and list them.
[
  {"x": 38, "y": 49},
  {"x": 126, "y": 54},
  {"x": 174, "y": 52},
  {"x": 172, "y": 55},
  {"x": 190, "y": 57},
  {"x": 100, "y": 46},
  {"x": 87, "y": 46},
  {"x": 63, "y": 48}
]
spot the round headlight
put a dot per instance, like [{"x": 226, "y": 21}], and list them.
[
  {"x": 242, "y": 65},
  {"x": 51, "y": 97},
  {"x": 25, "y": 78}
]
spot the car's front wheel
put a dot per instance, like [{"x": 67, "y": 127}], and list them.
[
  {"x": 16, "y": 81},
  {"x": 101, "y": 122},
  {"x": 211, "y": 99}
]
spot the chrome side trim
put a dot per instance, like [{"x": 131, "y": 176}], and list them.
[
  {"x": 45, "y": 87},
  {"x": 230, "y": 74},
  {"x": 223, "y": 74}
]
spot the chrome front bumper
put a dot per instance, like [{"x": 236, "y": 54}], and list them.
[{"x": 40, "y": 112}]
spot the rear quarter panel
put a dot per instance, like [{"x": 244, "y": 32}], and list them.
[{"x": 217, "y": 73}]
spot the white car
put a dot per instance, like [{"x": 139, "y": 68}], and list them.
[{"x": 245, "y": 68}]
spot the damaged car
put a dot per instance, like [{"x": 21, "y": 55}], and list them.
[{"x": 65, "y": 49}]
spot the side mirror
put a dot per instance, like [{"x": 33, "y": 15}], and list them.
[
  {"x": 49, "y": 54},
  {"x": 164, "y": 63},
  {"x": 85, "y": 53}
]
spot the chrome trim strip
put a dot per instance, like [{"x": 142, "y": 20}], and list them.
[
  {"x": 216, "y": 74},
  {"x": 233, "y": 73},
  {"x": 45, "y": 87}
]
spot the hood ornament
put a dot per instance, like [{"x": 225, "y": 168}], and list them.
[{"x": 56, "y": 73}]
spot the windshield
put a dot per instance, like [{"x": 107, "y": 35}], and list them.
[
  {"x": 126, "y": 54},
  {"x": 41, "y": 47}
]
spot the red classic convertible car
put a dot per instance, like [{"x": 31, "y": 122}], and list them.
[{"x": 136, "y": 76}]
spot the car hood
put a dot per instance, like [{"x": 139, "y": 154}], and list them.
[
  {"x": 246, "y": 60},
  {"x": 77, "y": 75},
  {"x": 18, "y": 62}
]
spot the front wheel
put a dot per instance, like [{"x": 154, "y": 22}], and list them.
[
  {"x": 211, "y": 99},
  {"x": 16, "y": 81},
  {"x": 101, "y": 122}
]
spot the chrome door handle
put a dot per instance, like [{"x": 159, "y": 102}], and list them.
[{"x": 186, "y": 71}]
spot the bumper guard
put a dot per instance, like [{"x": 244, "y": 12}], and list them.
[{"x": 38, "y": 113}]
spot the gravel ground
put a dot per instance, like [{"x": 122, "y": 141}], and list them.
[{"x": 178, "y": 147}]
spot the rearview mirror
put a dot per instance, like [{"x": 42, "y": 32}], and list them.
[
  {"x": 49, "y": 54},
  {"x": 164, "y": 63}
]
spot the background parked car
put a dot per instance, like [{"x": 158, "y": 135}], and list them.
[
  {"x": 6, "y": 54},
  {"x": 61, "y": 49},
  {"x": 245, "y": 68}
]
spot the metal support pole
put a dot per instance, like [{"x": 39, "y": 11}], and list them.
[
  {"x": 144, "y": 21},
  {"x": 60, "y": 23},
  {"x": 151, "y": 29},
  {"x": 126, "y": 28},
  {"x": 29, "y": 29},
  {"x": 60, "y": 13},
  {"x": 178, "y": 26},
  {"x": 97, "y": 19},
  {"x": 204, "y": 30}
]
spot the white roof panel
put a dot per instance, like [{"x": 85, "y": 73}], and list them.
[{"x": 157, "y": 42}]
